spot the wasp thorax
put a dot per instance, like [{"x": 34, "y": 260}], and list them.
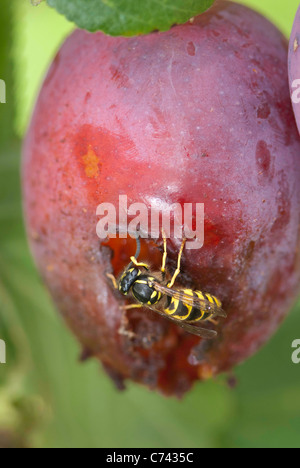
[
  {"x": 143, "y": 290},
  {"x": 127, "y": 280}
]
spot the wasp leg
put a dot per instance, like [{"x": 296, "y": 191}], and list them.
[
  {"x": 113, "y": 279},
  {"x": 164, "y": 259},
  {"x": 136, "y": 263},
  {"x": 131, "y": 306},
  {"x": 123, "y": 330},
  {"x": 171, "y": 283},
  {"x": 211, "y": 320}
]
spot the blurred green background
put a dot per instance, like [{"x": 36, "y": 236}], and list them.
[{"x": 48, "y": 399}]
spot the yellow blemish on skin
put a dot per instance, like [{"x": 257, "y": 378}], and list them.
[
  {"x": 205, "y": 372},
  {"x": 91, "y": 163},
  {"x": 296, "y": 44}
]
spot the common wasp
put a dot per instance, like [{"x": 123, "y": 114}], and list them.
[{"x": 185, "y": 307}]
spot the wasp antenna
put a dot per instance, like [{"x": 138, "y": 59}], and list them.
[
  {"x": 138, "y": 250},
  {"x": 138, "y": 246}
]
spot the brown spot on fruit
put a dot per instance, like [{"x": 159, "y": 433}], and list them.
[
  {"x": 264, "y": 161},
  {"x": 191, "y": 49},
  {"x": 263, "y": 111},
  {"x": 283, "y": 205},
  {"x": 119, "y": 76}
]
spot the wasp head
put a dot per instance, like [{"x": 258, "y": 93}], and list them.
[{"x": 127, "y": 280}]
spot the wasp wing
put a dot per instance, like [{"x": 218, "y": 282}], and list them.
[
  {"x": 202, "y": 304},
  {"x": 195, "y": 330}
]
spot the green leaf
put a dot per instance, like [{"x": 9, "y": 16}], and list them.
[{"x": 129, "y": 17}]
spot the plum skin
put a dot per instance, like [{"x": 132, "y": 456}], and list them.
[
  {"x": 201, "y": 114},
  {"x": 294, "y": 66}
]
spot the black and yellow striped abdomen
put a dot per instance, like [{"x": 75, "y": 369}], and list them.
[
  {"x": 144, "y": 292},
  {"x": 180, "y": 310}
]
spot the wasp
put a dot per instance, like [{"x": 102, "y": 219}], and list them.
[{"x": 185, "y": 307}]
